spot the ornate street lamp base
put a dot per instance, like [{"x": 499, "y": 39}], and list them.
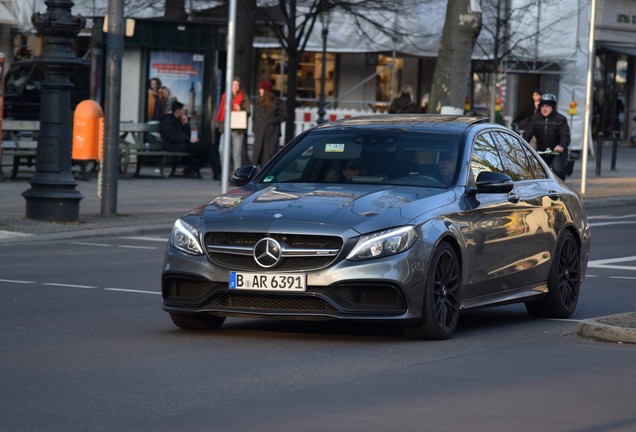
[
  {"x": 55, "y": 203},
  {"x": 52, "y": 196}
]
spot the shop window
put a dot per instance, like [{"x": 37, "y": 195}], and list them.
[
  {"x": 388, "y": 80},
  {"x": 273, "y": 66}
]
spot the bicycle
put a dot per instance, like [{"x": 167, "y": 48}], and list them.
[{"x": 548, "y": 156}]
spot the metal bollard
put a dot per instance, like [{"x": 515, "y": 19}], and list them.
[
  {"x": 614, "y": 150},
  {"x": 599, "y": 153}
]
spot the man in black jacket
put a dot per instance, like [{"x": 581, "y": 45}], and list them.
[
  {"x": 551, "y": 131},
  {"x": 176, "y": 135}
]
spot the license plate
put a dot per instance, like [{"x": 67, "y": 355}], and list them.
[{"x": 268, "y": 281}]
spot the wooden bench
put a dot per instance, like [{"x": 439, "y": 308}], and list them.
[
  {"x": 136, "y": 144},
  {"x": 145, "y": 147},
  {"x": 21, "y": 143}
]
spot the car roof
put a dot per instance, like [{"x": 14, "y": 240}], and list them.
[{"x": 420, "y": 122}]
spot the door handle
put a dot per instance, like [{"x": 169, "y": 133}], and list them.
[
  {"x": 554, "y": 195},
  {"x": 513, "y": 198}
]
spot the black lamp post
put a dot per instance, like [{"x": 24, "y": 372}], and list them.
[
  {"x": 325, "y": 17},
  {"x": 52, "y": 195}
]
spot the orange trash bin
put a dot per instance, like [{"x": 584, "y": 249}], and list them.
[{"x": 88, "y": 131}]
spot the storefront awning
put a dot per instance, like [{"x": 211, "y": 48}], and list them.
[
  {"x": 6, "y": 17},
  {"x": 621, "y": 49}
]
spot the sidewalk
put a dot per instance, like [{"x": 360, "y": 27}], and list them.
[{"x": 151, "y": 204}]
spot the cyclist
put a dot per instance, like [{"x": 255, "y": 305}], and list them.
[{"x": 551, "y": 131}]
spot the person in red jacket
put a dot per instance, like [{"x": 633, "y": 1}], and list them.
[{"x": 240, "y": 102}]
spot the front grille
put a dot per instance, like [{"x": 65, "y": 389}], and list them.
[
  {"x": 347, "y": 298},
  {"x": 235, "y": 250},
  {"x": 254, "y": 302}
]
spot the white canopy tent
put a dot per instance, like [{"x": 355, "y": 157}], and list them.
[{"x": 546, "y": 32}]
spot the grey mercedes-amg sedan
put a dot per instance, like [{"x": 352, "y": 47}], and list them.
[{"x": 408, "y": 218}]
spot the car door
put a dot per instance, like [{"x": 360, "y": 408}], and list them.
[
  {"x": 533, "y": 186},
  {"x": 496, "y": 227}
]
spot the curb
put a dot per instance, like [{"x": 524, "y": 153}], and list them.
[
  {"x": 620, "y": 328},
  {"x": 96, "y": 232}
]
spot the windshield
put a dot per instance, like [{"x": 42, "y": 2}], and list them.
[{"x": 391, "y": 157}]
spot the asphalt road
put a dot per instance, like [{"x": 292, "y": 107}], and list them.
[{"x": 85, "y": 346}]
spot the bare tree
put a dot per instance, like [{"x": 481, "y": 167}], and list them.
[
  {"x": 245, "y": 17},
  {"x": 511, "y": 35},
  {"x": 293, "y": 22},
  {"x": 452, "y": 71}
]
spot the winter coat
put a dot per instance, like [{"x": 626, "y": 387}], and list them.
[
  {"x": 402, "y": 104},
  {"x": 266, "y": 127},
  {"x": 174, "y": 134},
  {"x": 549, "y": 131}
]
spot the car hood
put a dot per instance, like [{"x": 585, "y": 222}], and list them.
[{"x": 301, "y": 207}]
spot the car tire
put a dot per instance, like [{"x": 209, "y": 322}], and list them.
[
  {"x": 197, "y": 322},
  {"x": 564, "y": 282},
  {"x": 442, "y": 297}
]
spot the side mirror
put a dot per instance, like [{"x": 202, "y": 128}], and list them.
[
  {"x": 244, "y": 175},
  {"x": 492, "y": 182}
]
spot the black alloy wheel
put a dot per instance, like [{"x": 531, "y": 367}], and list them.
[
  {"x": 440, "y": 312},
  {"x": 564, "y": 282}
]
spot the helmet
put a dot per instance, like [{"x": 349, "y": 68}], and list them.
[{"x": 548, "y": 99}]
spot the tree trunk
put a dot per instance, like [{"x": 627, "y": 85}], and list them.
[
  {"x": 452, "y": 71},
  {"x": 244, "y": 51},
  {"x": 293, "y": 58}
]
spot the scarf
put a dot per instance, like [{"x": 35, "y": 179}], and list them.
[{"x": 237, "y": 100}]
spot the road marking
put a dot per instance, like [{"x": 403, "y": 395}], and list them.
[
  {"x": 623, "y": 277},
  {"x": 17, "y": 281},
  {"x": 68, "y": 285},
  {"x": 600, "y": 224},
  {"x": 112, "y": 245},
  {"x": 136, "y": 247},
  {"x": 77, "y": 286},
  {"x": 611, "y": 263},
  {"x": 154, "y": 239},
  {"x": 131, "y": 290},
  {"x": 611, "y": 217}
]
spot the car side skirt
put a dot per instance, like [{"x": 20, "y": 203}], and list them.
[{"x": 529, "y": 293}]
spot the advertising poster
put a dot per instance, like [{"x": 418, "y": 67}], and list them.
[{"x": 181, "y": 77}]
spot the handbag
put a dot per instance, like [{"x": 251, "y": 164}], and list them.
[{"x": 238, "y": 120}]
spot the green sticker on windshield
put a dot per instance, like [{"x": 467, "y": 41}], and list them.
[{"x": 268, "y": 179}]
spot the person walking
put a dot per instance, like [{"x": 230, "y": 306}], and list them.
[
  {"x": 551, "y": 131},
  {"x": 404, "y": 102},
  {"x": 240, "y": 102},
  {"x": 269, "y": 113}
]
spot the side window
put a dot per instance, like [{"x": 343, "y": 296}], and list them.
[
  {"x": 485, "y": 156},
  {"x": 513, "y": 156},
  {"x": 537, "y": 169}
]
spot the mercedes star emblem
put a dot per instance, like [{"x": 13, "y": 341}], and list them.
[{"x": 267, "y": 252}]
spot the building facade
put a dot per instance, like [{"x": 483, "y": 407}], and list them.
[{"x": 365, "y": 73}]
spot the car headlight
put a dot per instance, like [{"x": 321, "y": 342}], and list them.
[
  {"x": 383, "y": 243},
  {"x": 186, "y": 238}
]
